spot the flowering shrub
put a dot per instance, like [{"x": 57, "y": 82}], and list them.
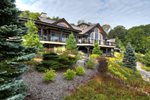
[
  {"x": 80, "y": 70},
  {"x": 69, "y": 74}
]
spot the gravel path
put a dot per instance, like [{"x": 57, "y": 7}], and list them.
[
  {"x": 145, "y": 74},
  {"x": 39, "y": 90}
]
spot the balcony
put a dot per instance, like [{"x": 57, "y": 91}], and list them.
[
  {"x": 80, "y": 42},
  {"x": 92, "y": 41}
]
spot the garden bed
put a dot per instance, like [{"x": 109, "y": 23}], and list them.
[{"x": 56, "y": 90}]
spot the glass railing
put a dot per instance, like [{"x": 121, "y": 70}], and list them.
[{"x": 79, "y": 41}]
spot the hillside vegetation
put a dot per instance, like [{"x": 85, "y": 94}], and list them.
[{"x": 119, "y": 82}]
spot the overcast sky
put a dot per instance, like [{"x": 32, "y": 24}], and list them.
[{"x": 113, "y": 12}]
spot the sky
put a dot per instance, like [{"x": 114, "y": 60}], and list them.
[{"x": 128, "y": 13}]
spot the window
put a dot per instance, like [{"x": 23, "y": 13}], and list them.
[
  {"x": 91, "y": 35},
  {"x": 64, "y": 37},
  {"x": 96, "y": 30},
  {"x": 54, "y": 37}
]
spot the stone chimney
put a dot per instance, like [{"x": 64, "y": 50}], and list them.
[{"x": 43, "y": 15}]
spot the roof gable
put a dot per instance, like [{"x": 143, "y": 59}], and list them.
[
  {"x": 91, "y": 27},
  {"x": 62, "y": 22}
]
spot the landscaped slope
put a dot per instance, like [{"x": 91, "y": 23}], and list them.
[{"x": 118, "y": 83}]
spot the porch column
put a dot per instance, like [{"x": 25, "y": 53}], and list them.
[
  {"x": 106, "y": 51},
  {"x": 60, "y": 36},
  {"x": 41, "y": 33},
  {"x": 88, "y": 50}
]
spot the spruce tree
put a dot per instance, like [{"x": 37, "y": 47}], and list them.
[
  {"x": 31, "y": 39},
  {"x": 12, "y": 53},
  {"x": 96, "y": 49},
  {"x": 71, "y": 44},
  {"x": 129, "y": 59}
]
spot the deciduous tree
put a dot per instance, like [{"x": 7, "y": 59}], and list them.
[{"x": 31, "y": 39}]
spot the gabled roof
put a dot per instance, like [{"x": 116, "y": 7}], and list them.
[
  {"x": 62, "y": 20},
  {"x": 76, "y": 27},
  {"x": 83, "y": 23},
  {"x": 46, "y": 20},
  {"x": 23, "y": 20},
  {"x": 87, "y": 29},
  {"x": 54, "y": 22},
  {"x": 92, "y": 27}
]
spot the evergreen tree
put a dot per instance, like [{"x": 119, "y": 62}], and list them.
[
  {"x": 12, "y": 53},
  {"x": 71, "y": 44},
  {"x": 129, "y": 59},
  {"x": 31, "y": 39},
  {"x": 96, "y": 49}
]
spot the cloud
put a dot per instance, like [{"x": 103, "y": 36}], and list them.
[{"x": 113, "y": 12}]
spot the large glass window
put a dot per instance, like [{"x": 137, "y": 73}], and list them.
[
  {"x": 54, "y": 37},
  {"x": 96, "y": 33},
  {"x": 64, "y": 37},
  {"x": 91, "y": 35}
]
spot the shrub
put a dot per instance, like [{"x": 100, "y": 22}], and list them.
[
  {"x": 139, "y": 57},
  {"x": 54, "y": 61},
  {"x": 146, "y": 68},
  {"x": 50, "y": 64},
  {"x": 66, "y": 60},
  {"x": 80, "y": 70},
  {"x": 94, "y": 56},
  {"x": 146, "y": 58},
  {"x": 50, "y": 55},
  {"x": 60, "y": 49},
  {"x": 40, "y": 68},
  {"x": 103, "y": 65},
  {"x": 96, "y": 49},
  {"x": 49, "y": 75},
  {"x": 69, "y": 74},
  {"x": 90, "y": 64}
]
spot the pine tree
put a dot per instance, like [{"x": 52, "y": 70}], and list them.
[
  {"x": 12, "y": 53},
  {"x": 129, "y": 59},
  {"x": 31, "y": 39},
  {"x": 96, "y": 49},
  {"x": 71, "y": 44}
]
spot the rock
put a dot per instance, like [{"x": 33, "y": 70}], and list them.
[{"x": 81, "y": 63}]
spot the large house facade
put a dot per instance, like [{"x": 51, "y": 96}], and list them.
[{"x": 53, "y": 33}]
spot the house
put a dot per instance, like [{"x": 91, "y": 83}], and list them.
[{"x": 53, "y": 33}]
